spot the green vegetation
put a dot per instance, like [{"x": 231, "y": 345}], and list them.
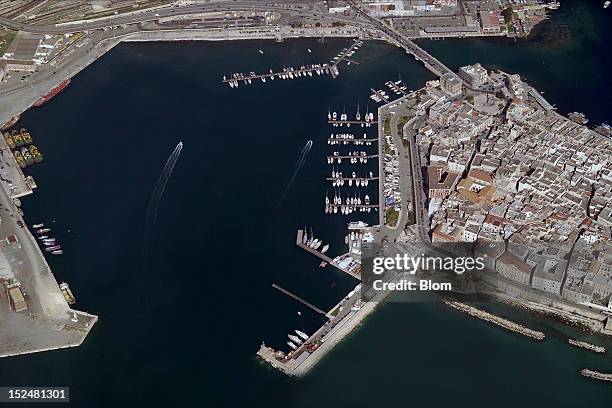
[
  {"x": 387, "y": 125},
  {"x": 507, "y": 13},
  {"x": 470, "y": 99},
  {"x": 500, "y": 95},
  {"x": 391, "y": 217},
  {"x": 6, "y": 38}
]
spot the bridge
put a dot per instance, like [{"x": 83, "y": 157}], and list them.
[{"x": 430, "y": 62}]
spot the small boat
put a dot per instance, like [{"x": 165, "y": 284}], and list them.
[
  {"x": 53, "y": 248},
  {"x": 309, "y": 50},
  {"x": 302, "y": 334},
  {"x": 295, "y": 339},
  {"x": 43, "y": 237},
  {"x": 36, "y": 226},
  {"x": 293, "y": 346},
  {"x": 45, "y": 243},
  {"x": 325, "y": 248},
  {"x": 57, "y": 252},
  {"x": 67, "y": 293},
  {"x": 43, "y": 230},
  {"x": 261, "y": 52}
]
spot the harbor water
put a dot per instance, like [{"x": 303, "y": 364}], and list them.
[{"x": 186, "y": 299}]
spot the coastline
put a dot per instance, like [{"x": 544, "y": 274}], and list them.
[{"x": 26, "y": 95}]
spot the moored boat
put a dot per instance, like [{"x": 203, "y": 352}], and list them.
[
  {"x": 36, "y": 154},
  {"x": 52, "y": 93},
  {"x": 302, "y": 334},
  {"x": 27, "y": 156},
  {"x": 20, "y": 160},
  {"x": 295, "y": 339},
  {"x": 9, "y": 140},
  {"x": 27, "y": 138},
  {"x": 68, "y": 295},
  {"x": 17, "y": 138}
]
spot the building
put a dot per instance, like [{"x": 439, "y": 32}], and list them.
[
  {"x": 475, "y": 74},
  {"x": 441, "y": 182},
  {"x": 491, "y": 22},
  {"x": 23, "y": 53},
  {"x": 450, "y": 84},
  {"x": 337, "y": 7},
  {"x": 513, "y": 268},
  {"x": 548, "y": 275}
]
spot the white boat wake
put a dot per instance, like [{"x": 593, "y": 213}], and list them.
[
  {"x": 158, "y": 191},
  {"x": 298, "y": 166}
]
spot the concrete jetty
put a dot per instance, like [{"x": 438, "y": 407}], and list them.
[{"x": 299, "y": 299}]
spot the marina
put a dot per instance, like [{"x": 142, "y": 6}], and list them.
[
  {"x": 346, "y": 263},
  {"x": 357, "y": 200},
  {"x": 306, "y": 70}
]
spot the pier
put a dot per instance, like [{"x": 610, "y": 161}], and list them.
[
  {"x": 378, "y": 96},
  {"x": 340, "y": 140},
  {"x": 358, "y": 179},
  {"x": 397, "y": 87},
  {"x": 291, "y": 73},
  {"x": 299, "y": 299},
  {"x": 299, "y": 242},
  {"x": 351, "y": 122}
]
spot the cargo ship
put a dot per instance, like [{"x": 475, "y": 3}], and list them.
[
  {"x": 36, "y": 154},
  {"x": 52, "y": 93},
  {"x": 25, "y": 135},
  {"x": 20, "y": 160},
  {"x": 27, "y": 156},
  {"x": 9, "y": 140}
]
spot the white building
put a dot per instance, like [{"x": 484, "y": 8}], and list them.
[{"x": 475, "y": 74}]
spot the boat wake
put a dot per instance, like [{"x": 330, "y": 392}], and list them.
[
  {"x": 298, "y": 166},
  {"x": 161, "y": 186},
  {"x": 150, "y": 220}
]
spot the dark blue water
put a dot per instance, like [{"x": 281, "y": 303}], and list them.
[{"x": 184, "y": 308}]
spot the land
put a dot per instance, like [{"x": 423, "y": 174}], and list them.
[{"x": 474, "y": 156}]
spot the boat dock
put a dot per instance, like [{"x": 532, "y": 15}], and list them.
[
  {"x": 299, "y": 242},
  {"x": 341, "y": 140},
  {"x": 299, "y": 299},
  {"x": 307, "y": 70},
  {"x": 358, "y": 179},
  {"x": 397, "y": 87},
  {"x": 351, "y": 122},
  {"x": 377, "y": 96}
]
